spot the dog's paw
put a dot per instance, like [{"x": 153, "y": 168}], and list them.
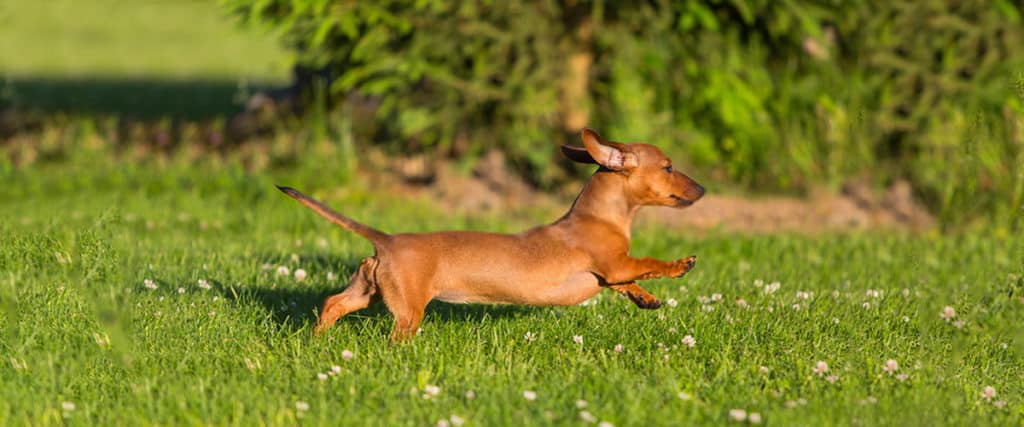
[
  {"x": 648, "y": 301},
  {"x": 687, "y": 264},
  {"x": 649, "y": 305}
]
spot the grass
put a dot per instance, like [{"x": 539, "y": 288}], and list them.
[
  {"x": 80, "y": 328},
  {"x": 145, "y": 59},
  {"x": 124, "y": 39}
]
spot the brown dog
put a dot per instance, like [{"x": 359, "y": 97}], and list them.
[{"x": 563, "y": 263}]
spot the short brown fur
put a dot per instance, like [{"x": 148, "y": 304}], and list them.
[{"x": 563, "y": 263}]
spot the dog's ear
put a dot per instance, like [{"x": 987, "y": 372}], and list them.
[
  {"x": 577, "y": 154},
  {"x": 609, "y": 154}
]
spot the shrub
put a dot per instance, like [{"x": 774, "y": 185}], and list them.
[{"x": 770, "y": 95}]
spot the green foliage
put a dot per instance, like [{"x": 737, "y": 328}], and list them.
[{"x": 773, "y": 95}]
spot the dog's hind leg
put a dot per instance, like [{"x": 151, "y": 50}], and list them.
[
  {"x": 638, "y": 295},
  {"x": 361, "y": 292}
]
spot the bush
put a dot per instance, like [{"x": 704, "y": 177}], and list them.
[{"x": 770, "y": 95}]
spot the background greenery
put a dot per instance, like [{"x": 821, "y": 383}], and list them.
[{"x": 772, "y": 95}]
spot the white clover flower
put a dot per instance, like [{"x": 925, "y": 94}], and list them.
[
  {"x": 456, "y": 420},
  {"x": 300, "y": 275},
  {"x": 754, "y": 418},
  {"x": 581, "y": 403},
  {"x": 578, "y": 339},
  {"x": 740, "y": 302},
  {"x": 618, "y": 348},
  {"x": 948, "y": 313},
  {"x": 684, "y": 395},
  {"x": 587, "y": 417},
  {"x": 347, "y": 355},
  {"x": 891, "y": 366},
  {"x": 716, "y": 297},
  {"x": 738, "y": 415},
  {"x": 529, "y": 395},
  {"x": 283, "y": 270},
  {"x": 671, "y": 302},
  {"x": 150, "y": 284},
  {"x": 331, "y": 277},
  {"x": 203, "y": 284},
  {"x": 67, "y": 406},
  {"x": 988, "y": 393},
  {"x": 821, "y": 368},
  {"x": 321, "y": 376},
  {"x": 301, "y": 406},
  {"x": 530, "y": 337},
  {"x": 181, "y": 290},
  {"x": 431, "y": 390},
  {"x": 689, "y": 341}
]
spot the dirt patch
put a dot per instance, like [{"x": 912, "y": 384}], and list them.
[
  {"x": 491, "y": 188},
  {"x": 821, "y": 212}
]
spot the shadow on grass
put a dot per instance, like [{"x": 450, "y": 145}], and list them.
[
  {"x": 296, "y": 307},
  {"x": 141, "y": 98}
]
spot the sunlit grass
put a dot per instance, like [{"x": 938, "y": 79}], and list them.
[{"x": 171, "y": 294}]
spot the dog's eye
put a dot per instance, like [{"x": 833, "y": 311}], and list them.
[{"x": 668, "y": 168}]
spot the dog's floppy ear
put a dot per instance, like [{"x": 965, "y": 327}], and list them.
[{"x": 609, "y": 154}]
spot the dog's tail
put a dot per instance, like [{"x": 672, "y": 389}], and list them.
[{"x": 375, "y": 236}]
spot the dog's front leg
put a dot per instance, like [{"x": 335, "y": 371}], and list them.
[
  {"x": 638, "y": 295},
  {"x": 626, "y": 269}
]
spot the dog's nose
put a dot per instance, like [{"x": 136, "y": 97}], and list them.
[{"x": 700, "y": 190}]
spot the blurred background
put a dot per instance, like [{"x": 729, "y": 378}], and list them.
[{"x": 795, "y": 114}]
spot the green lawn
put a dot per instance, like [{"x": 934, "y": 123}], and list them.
[
  {"x": 115, "y": 38},
  {"x": 86, "y": 342},
  {"x": 148, "y": 59}
]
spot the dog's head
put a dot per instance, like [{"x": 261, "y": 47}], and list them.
[{"x": 649, "y": 175}]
